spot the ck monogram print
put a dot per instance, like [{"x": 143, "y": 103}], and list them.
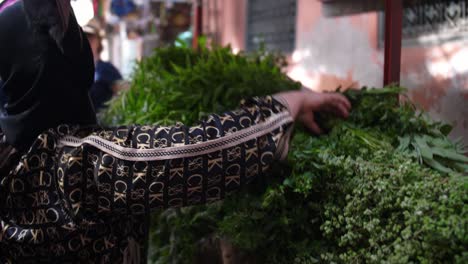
[{"x": 84, "y": 195}]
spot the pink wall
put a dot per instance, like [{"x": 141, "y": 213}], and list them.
[
  {"x": 332, "y": 52},
  {"x": 225, "y": 21},
  {"x": 343, "y": 51}
]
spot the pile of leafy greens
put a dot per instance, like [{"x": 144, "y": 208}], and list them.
[{"x": 384, "y": 186}]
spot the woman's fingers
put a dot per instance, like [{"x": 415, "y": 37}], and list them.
[
  {"x": 340, "y": 99},
  {"x": 342, "y": 110},
  {"x": 345, "y": 101},
  {"x": 337, "y": 107},
  {"x": 308, "y": 121}
]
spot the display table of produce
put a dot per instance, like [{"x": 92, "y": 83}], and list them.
[{"x": 384, "y": 186}]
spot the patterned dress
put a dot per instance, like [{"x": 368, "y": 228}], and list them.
[{"x": 84, "y": 195}]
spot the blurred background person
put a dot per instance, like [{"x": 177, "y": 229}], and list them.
[{"x": 108, "y": 80}]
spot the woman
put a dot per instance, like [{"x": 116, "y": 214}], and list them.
[{"x": 72, "y": 192}]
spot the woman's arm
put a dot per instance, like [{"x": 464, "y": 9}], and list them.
[{"x": 138, "y": 169}]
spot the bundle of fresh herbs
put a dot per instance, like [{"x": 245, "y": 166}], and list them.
[
  {"x": 384, "y": 186},
  {"x": 182, "y": 85},
  {"x": 359, "y": 195}
]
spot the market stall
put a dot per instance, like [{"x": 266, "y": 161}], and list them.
[{"x": 385, "y": 184}]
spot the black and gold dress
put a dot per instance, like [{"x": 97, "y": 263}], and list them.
[{"x": 84, "y": 195}]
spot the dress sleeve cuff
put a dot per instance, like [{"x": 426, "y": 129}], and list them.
[{"x": 283, "y": 102}]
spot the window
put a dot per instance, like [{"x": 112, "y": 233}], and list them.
[
  {"x": 430, "y": 22},
  {"x": 272, "y": 23}
]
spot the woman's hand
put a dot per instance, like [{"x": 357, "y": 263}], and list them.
[{"x": 305, "y": 104}]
